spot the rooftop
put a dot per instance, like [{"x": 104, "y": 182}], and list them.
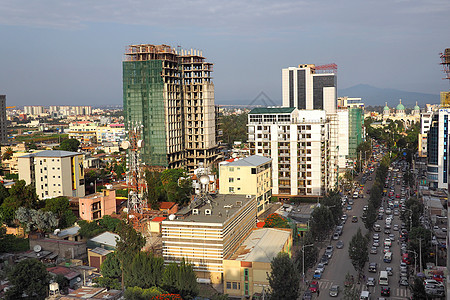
[
  {"x": 262, "y": 245},
  {"x": 52, "y": 153},
  {"x": 107, "y": 238},
  {"x": 100, "y": 251},
  {"x": 254, "y": 160},
  {"x": 272, "y": 110},
  {"x": 222, "y": 207},
  {"x": 69, "y": 231}
]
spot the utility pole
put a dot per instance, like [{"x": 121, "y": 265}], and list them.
[{"x": 420, "y": 254}]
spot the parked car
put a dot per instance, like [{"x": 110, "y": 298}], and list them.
[
  {"x": 373, "y": 250},
  {"x": 307, "y": 295},
  {"x": 314, "y": 286},
  {"x": 389, "y": 271},
  {"x": 335, "y": 236},
  {"x": 317, "y": 274},
  {"x": 320, "y": 267},
  {"x": 385, "y": 291},
  {"x": 404, "y": 281},
  {"x": 340, "y": 244}
]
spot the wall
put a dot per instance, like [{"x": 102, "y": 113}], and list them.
[{"x": 65, "y": 249}]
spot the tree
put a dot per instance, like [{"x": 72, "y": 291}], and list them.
[
  {"x": 61, "y": 208},
  {"x": 283, "y": 278},
  {"x": 145, "y": 270},
  {"x": 311, "y": 253},
  {"x": 29, "y": 277},
  {"x": 4, "y": 193},
  {"x": 69, "y": 145},
  {"x": 276, "y": 221},
  {"x": 7, "y": 154},
  {"x": 370, "y": 216},
  {"x": 333, "y": 202},
  {"x": 177, "y": 185},
  {"x": 11, "y": 243},
  {"x": 180, "y": 278},
  {"x": 40, "y": 220},
  {"x": 358, "y": 251},
  {"x": 137, "y": 293},
  {"x": 320, "y": 223},
  {"x": 418, "y": 289},
  {"x": 20, "y": 194}
]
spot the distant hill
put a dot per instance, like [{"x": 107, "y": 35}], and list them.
[{"x": 377, "y": 96}]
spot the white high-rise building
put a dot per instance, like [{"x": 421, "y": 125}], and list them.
[
  {"x": 3, "y": 124},
  {"x": 425, "y": 123},
  {"x": 303, "y": 88},
  {"x": 299, "y": 143}
]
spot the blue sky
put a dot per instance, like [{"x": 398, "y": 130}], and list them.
[{"x": 70, "y": 52}]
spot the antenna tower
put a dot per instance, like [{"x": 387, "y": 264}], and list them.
[
  {"x": 136, "y": 203},
  {"x": 445, "y": 62}
]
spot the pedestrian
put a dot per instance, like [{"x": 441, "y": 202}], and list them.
[{"x": 318, "y": 292}]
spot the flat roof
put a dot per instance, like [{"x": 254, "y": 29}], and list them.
[
  {"x": 100, "y": 251},
  {"x": 69, "y": 231},
  {"x": 52, "y": 153},
  {"x": 262, "y": 245},
  {"x": 272, "y": 110},
  {"x": 254, "y": 160},
  {"x": 223, "y": 208},
  {"x": 107, "y": 238}
]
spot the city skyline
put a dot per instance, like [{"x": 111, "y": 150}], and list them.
[{"x": 60, "y": 53}]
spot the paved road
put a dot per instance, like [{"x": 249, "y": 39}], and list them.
[{"x": 340, "y": 263}]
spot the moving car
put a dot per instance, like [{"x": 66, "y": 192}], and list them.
[
  {"x": 389, "y": 271},
  {"x": 404, "y": 281},
  {"x": 307, "y": 295},
  {"x": 373, "y": 267},
  {"x": 373, "y": 250},
  {"x": 354, "y": 219},
  {"x": 334, "y": 291},
  {"x": 340, "y": 245},
  {"x": 385, "y": 291},
  {"x": 370, "y": 281}
]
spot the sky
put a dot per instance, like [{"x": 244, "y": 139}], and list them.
[{"x": 61, "y": 52}]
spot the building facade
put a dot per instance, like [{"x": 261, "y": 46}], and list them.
[
  {"x": 95, "y": 206},
  {"x": 84, "y": 131},
  {"x": 53, "y": 173},
  {"x": 3, "y": 120},
  {"x": 206, "y": 235},
  {"x": 170, "y": 95},
  {"x": 303, "y": 88},
  {"x": 247, "y": 176},
  {"x": 425, "y": 123},
  {"x": 438, "y": 150},
  {"x": 299, "y": 143}
]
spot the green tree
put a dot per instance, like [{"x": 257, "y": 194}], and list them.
[
  {"x": 11, "y": 243},
  {"x": 7, "y": 155},
  {"x": 370, "y": 216},
  {"x": 333, "y": 202},
  {"x": 276, "y": 221},
  {"x": 111, "y": 266},
  {"x": 177, "y": 185},
  {"x": 155, "y": 190},
  {"x": 20, "y": 195},
  {"x": 61, "y": 208},
  {"x": 234, "y": 128},
  {"x": 283, "y": 278},
  {"x": 137, "y": 293},
  {"x": 358, "y": 251},
  {"x": 29, "y": 277},
  {"x": 69, "y": 145},
  {"x": 4, "y": 193},
  {"x": 320, "y": 224},
  {"x": 145, "y": 270},
  {"x": 418, "y": 289},
  {"x": 40, "y": 220},
  {"x": 311, "y": 253},
  {"x": 109, "y": 223},
  {"x": 180, "y": 278}
]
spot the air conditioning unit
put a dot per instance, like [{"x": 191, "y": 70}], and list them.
[
  {"x": 195, "y": 211},
  {"x": 248, "y": 196},
  {"x": 238, "y": 203},
  {"x": 208, "y": 212},
  {"x": 227, "y": 206}
]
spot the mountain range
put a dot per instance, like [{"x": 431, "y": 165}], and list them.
[{"x": 374, "y": 96}]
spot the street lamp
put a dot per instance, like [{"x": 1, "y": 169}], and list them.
[
  {"x": 415, "y": 259},
  {"x": 303, "y": 260}
]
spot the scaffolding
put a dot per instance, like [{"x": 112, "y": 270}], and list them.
[{"x": 445, "y": 62}]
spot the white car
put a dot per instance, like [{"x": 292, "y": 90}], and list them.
[{"x": 387, "y": 242}]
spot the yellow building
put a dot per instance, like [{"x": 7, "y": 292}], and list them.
[
  {"x": 84, "y": 131},
  {"x": 245, "y": 272},
  {"x": 247, "y": 176},
  {"x": 206, "y": 232}
]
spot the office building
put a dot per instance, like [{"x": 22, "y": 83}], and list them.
[
  {"x": 304, "y": 88},
  {"x": 83, "y": 131},
  {"x": 299, "y": 143},
  {"x": 206, "y": 234},
  {"x": 347, "y": 102},
  {"x": 425, "y": 123},
  {"x": 245, "y": 272},
  {"x": 170, "y": 95},
  {"x": 53, "y": 173},
  {"x": 438, "y": 150},
  {"x": 3, "y": 120},
  {"x": 247, "y": 176}
]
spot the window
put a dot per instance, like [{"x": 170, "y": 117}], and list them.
[
  {"x": 231, "y": 179},
  {"x": 253, "y": 170},
  {"x": 238, "y": 178},
  {"x": 231, "y": 189},
  {"x": 231, "y": 169},
  {"x": 228, "y": 285}
]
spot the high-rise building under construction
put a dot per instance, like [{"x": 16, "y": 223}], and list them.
[{"x": 170, "y": 94}]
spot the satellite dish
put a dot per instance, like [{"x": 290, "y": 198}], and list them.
[
  {"x": 56, "y": 231},
  {"x": 204, "y": 179},
  {"x": 125, "y": 144},
  {"x": 140, "y": 143},
  {"x": 78, "y": 279},
  {"x": 171, "y": 217},
  {"x": 37, "y": 248}
]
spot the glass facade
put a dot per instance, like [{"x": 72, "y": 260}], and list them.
[{"x": 320, "y": 82}]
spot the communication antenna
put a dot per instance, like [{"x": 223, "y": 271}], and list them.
[{"x": 136, "y": 202}]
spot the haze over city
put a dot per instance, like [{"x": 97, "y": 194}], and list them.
[{"x": 65, "y": 52}]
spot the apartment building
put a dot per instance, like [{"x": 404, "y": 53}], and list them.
[
  {"x": 3, "y": 120},
  {"x": 207, "y": 234},
  {"x": 84, "y": 131},
  {"x": 53, "y": 173},
  {"x": 247, "y": 176},
  {"x": 170, "y": 94},
  {"x": 33, "y": 110},
  {"x": 95, "y": 206},
  {"x": 245, "y": 272},
  {"x": 299, "y": 143},
  {"x": 305, "y": 88},
  {"x": 425, "y": 123},
  {"x": 111, "y": 133},
  {"x": 348, "y": 102}
]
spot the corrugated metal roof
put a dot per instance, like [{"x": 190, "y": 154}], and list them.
[
  {"x": 107, "y": 238},
  {"x": 262, "y": 245},
  {"x": 254, "y": 160},
  {"x": 271, "y": 110},
  {"x": 100, "y": 251},
  {"x": 52, "y": 153}
]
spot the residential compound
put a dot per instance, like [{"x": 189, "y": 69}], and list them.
[
  {"x": 93, "y": 132},
  {"x": 170, "y": 95},
  {"x": 53, "y": 173},
  {"x": 56, "y": 111},
  {"x": 247, "y": 176},
  {"x": 3, "y": 123},
  {"x": 299, "y": 143},
  {"x": 208, "y": 233}
]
